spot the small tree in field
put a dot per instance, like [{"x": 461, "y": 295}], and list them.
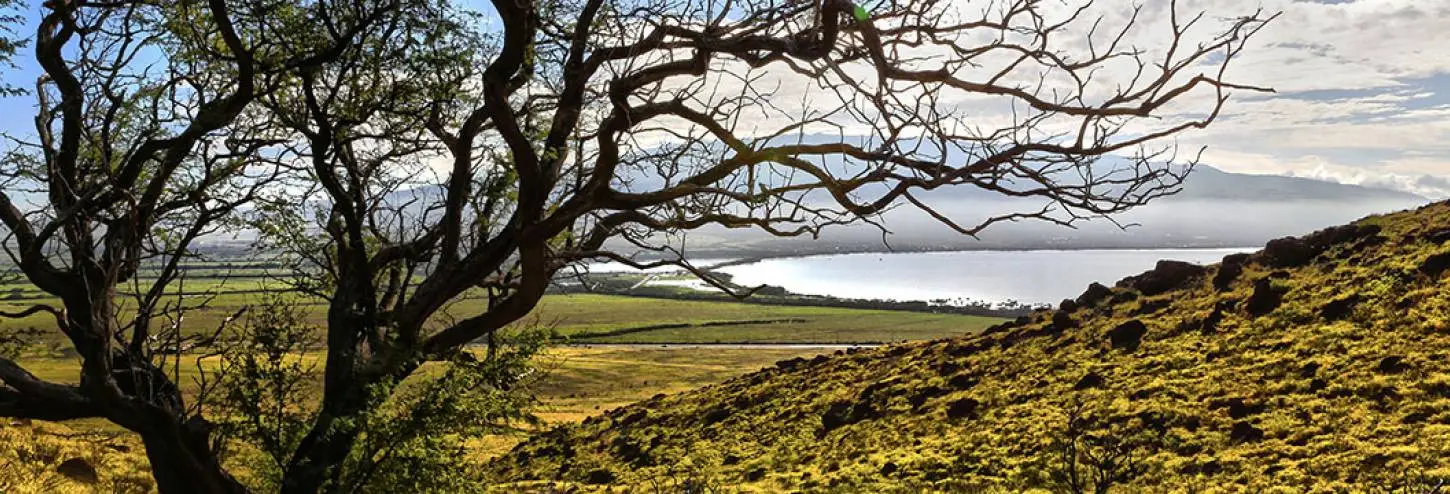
[{"x": 412, "y": 154}]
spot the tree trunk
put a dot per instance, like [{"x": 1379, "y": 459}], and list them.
[
  {"x": 320, "y": 456},
  {"x": 181, "y": 466}
]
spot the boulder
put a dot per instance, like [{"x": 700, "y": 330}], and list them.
[
  {"x": 1287, "y": 252},
  {"x": 1226, "y": 275},
  {"x": 1167, "y": 275},
  {"x": 1435, "y": 265},
  {"x": 1265, "y": 299},
  {"x": 1128, "y": 335},
  {"x": 1089, "y": 381},
  {"x": 78, "y": 470},
  {"x": 1339, "y": 308},
  {"x": 1245, "y": 432},
  {"x": 599, "y": 476},
  {"x": 1095, "y": 293},
  {"x": 1210, "y": 323},
  {"x": 1393, "y": 364},
  {"x": 1061, "y": 321},
  {"x": 1437, "y": 236},
  {"x": 963, "y": 408}
]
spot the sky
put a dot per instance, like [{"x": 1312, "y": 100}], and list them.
[{"x": 1362, "y": 92}]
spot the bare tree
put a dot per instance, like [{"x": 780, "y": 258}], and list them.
[
  {"x": 575, "y": 130},
  {"x": 133, "y": 159},
  {"x": 483, "y": 164}
]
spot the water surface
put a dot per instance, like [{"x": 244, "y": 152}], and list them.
[{"x": 1029, "y": 276}]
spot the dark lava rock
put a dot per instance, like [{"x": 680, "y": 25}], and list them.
[
  {"x": 923, "y": 394},
  {"x": 1236, "y": 259},
  {"x": 842, "y": 414},
  {"x": 1437, "y": 236},
  {"x": 633, "y": 417},
  {"x": 1210, "y": 323},
  {"x": 888, "y": 469},
  {"x": 1246, "y": 432},
  {"x": 1339, "y": 308},
  {"x": 1067, "y": 305},
  {"x": 1322, "y": 240},
  {"x": 1393, "y": 364},
  {"x": 1121, "y": 297},
  {"x": 1167, "y": 275},
  {"x": 1238, "y": 409},
  {"x": 630, "y": 452},
  {"x": 1265, "y": 299},
  {"x": 1151, "y": 306},
  {"x": 1318, "y": 384},
  {"x": 716, "y": 415},
  {"x": 1061, "y": 321},
  {"x": 730, "y": 460},
  {"x": 1227, "y": 273},
  {"x": 998, "y": 328},
  {"x": 963, "y": 408},
  {"x": 1287, "y": 252},
  {"x": 1095, "y": 293},
  {"x": 1128, "y": 335},
  {"x": 836, "y": 416},
  {"x": 962, "y": 381},
  {"x": 1435, "y": 265},
  {"x": 1091, "y": 380},
  {"x": 790, "y": 364},
  {"x": 599, "y": 477},
  {"x": 755, "y": 474},
  {"x": 78, "y": 470},
  {"x": 1309, "y": 370}
]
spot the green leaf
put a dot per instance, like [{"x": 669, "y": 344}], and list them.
[{"x": 861, "y": 14}]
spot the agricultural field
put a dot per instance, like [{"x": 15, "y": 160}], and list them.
[{"x": 601, "y": 318}]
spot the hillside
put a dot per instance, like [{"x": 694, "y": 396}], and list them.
[{"x": 1316, "y": 364}]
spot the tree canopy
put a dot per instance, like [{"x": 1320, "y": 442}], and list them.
[{"x": 408, "y": 153}]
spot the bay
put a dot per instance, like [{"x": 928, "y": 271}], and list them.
[{"x": 1026, "y": 276}]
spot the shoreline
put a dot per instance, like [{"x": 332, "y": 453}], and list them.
[{"x": 766, "y": 257}]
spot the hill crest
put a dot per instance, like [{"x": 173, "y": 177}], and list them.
[{"x": 1316, "y": 364}]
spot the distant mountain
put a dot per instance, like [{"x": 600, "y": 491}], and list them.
[
  {"x": 1214, "y": 209},
  {"x": 1209, "y": 183}
]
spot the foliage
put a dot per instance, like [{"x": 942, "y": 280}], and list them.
[
  {"x": 413, "y": 440},
  {"x": 263, "y": 394},
  {"x": 417, "y": 439},
  {"x": 1085, "y": 458},
  {"x": 9, "y": 44}
]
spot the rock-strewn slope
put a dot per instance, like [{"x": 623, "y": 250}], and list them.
[{"x": 1317, "y": 364}]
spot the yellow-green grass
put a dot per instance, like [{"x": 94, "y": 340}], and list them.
[
  {"x": 576, "y": 383},
  {"x": 580, "y": 315},
  {"x": 1320, "y": 367}
]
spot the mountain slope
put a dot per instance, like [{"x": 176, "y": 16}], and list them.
[
  {"x": 1317, "y": 364},
  {"x": 1207, "y": 182}
]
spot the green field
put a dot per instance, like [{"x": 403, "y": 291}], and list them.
[{"x": 579, "y": 316}]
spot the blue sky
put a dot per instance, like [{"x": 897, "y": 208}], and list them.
[{"x": 1363, "y": 93}]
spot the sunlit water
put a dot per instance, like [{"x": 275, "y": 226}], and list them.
[{"x": 1032, "y": 276}]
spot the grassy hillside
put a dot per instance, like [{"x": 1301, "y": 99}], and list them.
[
  {"x": 1316, "y": 365},
  {"x": 577, "y": 382}
]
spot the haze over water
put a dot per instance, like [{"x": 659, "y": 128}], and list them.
[{"x": 1029, "y": 276}]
